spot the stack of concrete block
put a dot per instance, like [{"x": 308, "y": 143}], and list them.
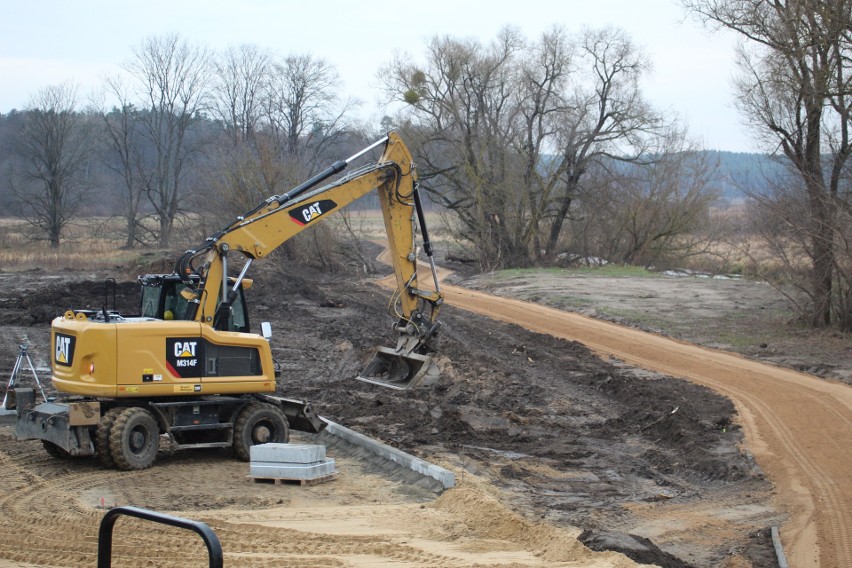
[{"x": 293, "y": 462}]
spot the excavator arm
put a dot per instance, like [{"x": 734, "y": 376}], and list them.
[{"x": 256, "y": 234}]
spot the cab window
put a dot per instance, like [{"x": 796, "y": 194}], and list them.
[
  {"x": 238, "y": 320},
  {"x": 238, "y": 314},
  {"x": 150, "y": 301},
  {"x": 175, "y": 306}
]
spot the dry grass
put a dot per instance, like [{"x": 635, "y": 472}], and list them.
[
  {"x": 98, "y": 243},
  {"x": 90, "y": 244},
  {"x": 370, "y": 225}
]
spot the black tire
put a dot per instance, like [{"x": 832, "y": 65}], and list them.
[
  {"x": 102, "y": 437},
  {"x": 134, "y": 439},
  {"x": 259, "y": 423},
  {"x": 55, "y": 451}
]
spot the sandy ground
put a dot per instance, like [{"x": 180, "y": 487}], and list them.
[{"x": 51, "y": 511}]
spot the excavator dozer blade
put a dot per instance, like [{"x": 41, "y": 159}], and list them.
[{"x": 397, "y": 371}]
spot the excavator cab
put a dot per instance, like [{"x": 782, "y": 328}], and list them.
[{"x": 162, "y": 299}]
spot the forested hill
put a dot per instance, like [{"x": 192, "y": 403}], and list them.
[{"x": 740, "y": 172}]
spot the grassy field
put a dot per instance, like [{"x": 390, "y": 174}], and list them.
[
  {"x": 88, "y": 244},
  {"x": 85, "y": 248},
  {"x": 94, "y": 243}
]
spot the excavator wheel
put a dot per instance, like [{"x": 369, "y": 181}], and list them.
[
  {"x": 102, "y": 437},
  {"x": 134, "y": 439},
  {"x": 55, "y": 451},
  {"x": 259, "y": 423}
]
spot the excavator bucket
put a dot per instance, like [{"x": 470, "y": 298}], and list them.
[{"x": 395, "y": 370}]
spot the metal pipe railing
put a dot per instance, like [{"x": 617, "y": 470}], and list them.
[{"x": 214, "y": 547}]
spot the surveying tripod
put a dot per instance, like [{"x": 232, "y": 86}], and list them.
[{"x": 23, "y": 356}]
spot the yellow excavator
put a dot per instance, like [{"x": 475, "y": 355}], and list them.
[{"x": 189, "y": 368}]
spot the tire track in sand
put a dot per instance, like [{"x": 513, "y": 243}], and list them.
[{"x": 798, "y": 427}]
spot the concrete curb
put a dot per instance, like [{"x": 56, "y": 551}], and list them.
[
  {"x": 445, "y": 477},
  {"x": 779, "y": 550}
]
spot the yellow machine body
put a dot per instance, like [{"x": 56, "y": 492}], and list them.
[{"x": 145, "y": 357}]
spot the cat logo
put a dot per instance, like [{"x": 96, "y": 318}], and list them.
[
  {"x": 184, "y": 356},
  {"x": 185, "y": 353},
  {"x": 305, "y": 214},
  {"x": 64, "y": 350},
  {"x": 185, "y": 349}
]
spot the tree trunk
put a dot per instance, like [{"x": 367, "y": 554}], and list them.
[
  {"x": 559, "y": 221},
  {"x": 166, "y": 225},
  {"x": 822, "y": 257},
  {"x": 130, "y": 242}
]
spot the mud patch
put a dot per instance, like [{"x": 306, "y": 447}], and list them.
[{"x": 634, "y": 547}]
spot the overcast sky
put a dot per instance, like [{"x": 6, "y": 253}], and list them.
[{"x": 48, "y": 42}]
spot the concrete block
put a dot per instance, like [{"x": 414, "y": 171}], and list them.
[
  {"x": 287, "y": 453},
  {"x": 276, "y": 470}
]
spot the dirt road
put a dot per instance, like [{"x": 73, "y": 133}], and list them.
[{"x": 798, "y": 428}]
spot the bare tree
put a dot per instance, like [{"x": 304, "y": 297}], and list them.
[
  {"x": 304, "y": 113},
  {"x": 242, "y": 176},
  {"x": 240, "y": 90},
  {"x": 172, "y": 76},
  {"x": 508, "y": 131},
  {"x": 460, "y": 120},
  {"x": 774, "y": 216},
  {"x": 54, "y": 148},
  {"x": 651, "y": 214},
  {"x": 606, "y": 119},
  {"x": 245, "y": 167},
  {"x": 280, "y": 116},
  {"x": 795, "y": 89},
  {"x": 121, "y": 125}
]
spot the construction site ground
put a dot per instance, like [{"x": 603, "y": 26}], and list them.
[{"x": 551, "y": 440}]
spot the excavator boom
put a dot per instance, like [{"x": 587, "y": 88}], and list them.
[{"x": 280, "y": 217}]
